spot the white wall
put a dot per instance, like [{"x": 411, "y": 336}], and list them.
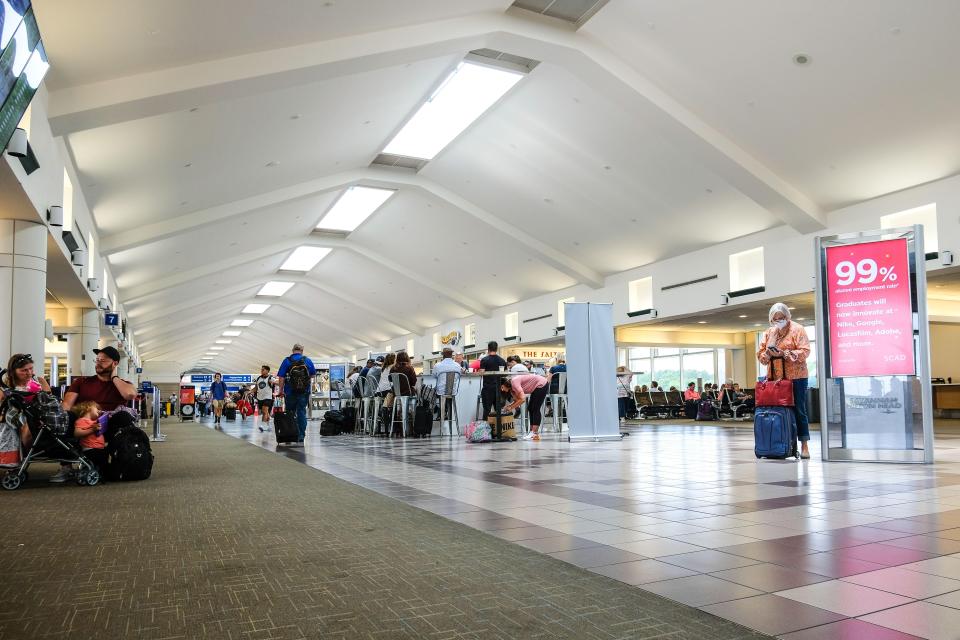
[
  {"x": 788, "y": 258},
  {"x": 162, "y": 371}
]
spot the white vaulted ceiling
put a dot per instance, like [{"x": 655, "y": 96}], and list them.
[{"x": 210, "y": 137}]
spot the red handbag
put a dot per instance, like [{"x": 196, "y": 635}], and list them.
[{"x": 775, "y": 393}]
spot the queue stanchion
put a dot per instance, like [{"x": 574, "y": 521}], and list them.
[{"x": 157, "y": 436}]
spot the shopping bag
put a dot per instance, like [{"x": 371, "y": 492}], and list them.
[{"x": 478, "y": 432}]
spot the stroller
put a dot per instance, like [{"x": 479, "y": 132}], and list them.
[{"x": 53, "y": 441}]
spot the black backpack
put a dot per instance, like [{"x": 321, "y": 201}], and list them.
[
  {"x": 130, "y": 455},
  {"x": 298, "y": 375}
]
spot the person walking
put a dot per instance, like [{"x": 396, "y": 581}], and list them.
[
  {"x": 264, "y": 397},
  {"x": 787, "y": 341},
  {"x": 294, "y": 376},
  {"x": 218, "y": 397}
]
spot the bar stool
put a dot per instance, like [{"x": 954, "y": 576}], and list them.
[
  {"x": 402, "y": 402},
  {"x": 368, "y": 403},
  {"x": 558, "y": 402},
  {"x": 451, "y": 386}
]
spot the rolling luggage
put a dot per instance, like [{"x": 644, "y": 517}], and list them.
[
  {"x": 349, "y": 419},
  {"x": 422, "y": 422},
  {"x": 774, "y": 421},
  {"x": 775, "y": 433},
  {"x": 284, "y": 425},
  {"x": 230, "y": 413},
  {"x": 691, "y": 408}
]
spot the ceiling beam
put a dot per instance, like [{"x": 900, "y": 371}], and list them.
[
  {"x": 190, "y": 222},
  {"x": 270, "y": 341},
  {"x": 362, "y": 339},
  {"x": 450, "y": 293},
  {"x": 519, "y": 32},
  {"x": 153, "y": 93}
]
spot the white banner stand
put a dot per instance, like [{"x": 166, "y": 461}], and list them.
[{"x": 591, "y": 372}]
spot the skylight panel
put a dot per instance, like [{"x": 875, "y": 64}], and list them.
[
  {"x": 304, "y": 258},
  {"x": 275, "y": 288},
  {"x": 232, "y": 334},
  {"x": 353, "y": 207},
  {"x": 463, "y": 97},
  {"x": 241, "y": 323},
  {"x": 255, "y": 308}
]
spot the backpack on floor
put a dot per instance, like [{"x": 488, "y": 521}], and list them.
[
  {"x": 349, "y": 419},
  {"x": 328, "y": 428},
  {"x": 298, "y": 376},
  {"x": 706, "y": 410},
  {"x": 130, "y": 455}
]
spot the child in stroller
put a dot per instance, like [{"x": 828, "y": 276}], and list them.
[{"x": 52, "y": 439}]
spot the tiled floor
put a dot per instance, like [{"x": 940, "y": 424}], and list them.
[{"x": 804, "y": 551}]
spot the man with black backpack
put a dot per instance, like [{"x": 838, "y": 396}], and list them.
[{"x": 295, "y": 377}]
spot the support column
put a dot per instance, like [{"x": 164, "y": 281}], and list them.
[
  {"x": 123, "y": 369},
  {"x": 84, "y": 339},
  {"x": 23, "y": 288}
]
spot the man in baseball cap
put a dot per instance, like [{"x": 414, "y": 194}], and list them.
[{"x": 106, "y": 388}]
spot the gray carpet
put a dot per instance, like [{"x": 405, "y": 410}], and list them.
[{"x": 230, "y": 541}]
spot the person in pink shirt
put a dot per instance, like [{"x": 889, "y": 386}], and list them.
[{"x": 519, "y": 387}]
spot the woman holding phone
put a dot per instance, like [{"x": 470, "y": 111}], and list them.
[{"x": 784, "y": 348}]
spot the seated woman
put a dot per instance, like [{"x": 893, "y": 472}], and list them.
[
  {"x": 408, "y": 377},
  {"x": 384, "y": 386},
  {"x": 20, "y": 377}
]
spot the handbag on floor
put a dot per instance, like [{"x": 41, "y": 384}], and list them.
[{"x": 478, "y": 432}]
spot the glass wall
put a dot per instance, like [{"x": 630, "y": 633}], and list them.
[{"x": 672, "y": 367}]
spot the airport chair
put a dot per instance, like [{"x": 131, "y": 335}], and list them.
[
  {"x": 558, "y": 404},
  {"x": 405, "y": 403},
  {"x": 451, "y": 386}
]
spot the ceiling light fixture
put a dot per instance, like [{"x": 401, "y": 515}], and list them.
[
  {"x": 463, "y": 97},
  {"x": 275, "y": 288},
  {"x": 232, "y": 334},
  {"x": 742, "y": 316},
  {"x": 241, "y": 323},
  {"x": 801, "y": 59},
  {"x": 212, "y": 354},
  {"x": 223, "y": 341},
  {"x": 701, "y": 322},
  {"x": 255, "y": 308},
  {"x": 304, "y": 258},
  {"x": 353, "y": 207},
  {"x": 217, "y": 348}
]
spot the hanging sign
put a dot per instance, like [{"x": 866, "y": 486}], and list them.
[
  {"x": 111, "y": 319},
  {"x": 869, "y": 309},
  {"x": 237, "y": 377},
  {"x": 201, "y": 378}
]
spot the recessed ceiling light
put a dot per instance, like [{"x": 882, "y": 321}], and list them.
[
  {"x": 463, "y": 97},
  {"x": 791, "y": 308},
  {"x": 758, "y": 325},
  {"x": 223, "y": 341},
  {"x": 212, "y": 354},
  {"x": 304, "y": 258},
  {"x": 801, "y": 318},
  {"x": 232, "y": 334},
  {"x": 275, "y": 288},
  {"x": 217, "y": 348},
  {"x": 353, "y": 207},
  {"x": 801, "y": 59},
  {"x": 241, "y": 323},
  {"x": 742, "y": 316},
  {"x": 255, "y": 308},
  {"x": 701, "y": 322}
]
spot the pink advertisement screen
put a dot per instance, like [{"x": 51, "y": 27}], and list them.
[{"x": 870, "y": 315}]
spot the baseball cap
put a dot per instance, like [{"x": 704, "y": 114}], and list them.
[{"x": 110, "y": 352}]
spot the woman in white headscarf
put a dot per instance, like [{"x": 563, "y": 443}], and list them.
[{"x": 788, "y": 340}]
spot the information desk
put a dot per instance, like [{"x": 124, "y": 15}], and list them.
[{"x": 946, "y": 397}]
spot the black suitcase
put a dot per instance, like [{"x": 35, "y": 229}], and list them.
[
  {"x": 690, "y": 408},
  {"x": 422, "y": 422},
  {"x": 230, "y": 413},
  {"x": 285, "y": 427},
  {"x": 706, "y": 410}
]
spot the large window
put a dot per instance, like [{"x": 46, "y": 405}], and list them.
[{"x": 672, "y": 367}]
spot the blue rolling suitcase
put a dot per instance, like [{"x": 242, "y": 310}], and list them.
[{"x": 775, "y": 433}]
